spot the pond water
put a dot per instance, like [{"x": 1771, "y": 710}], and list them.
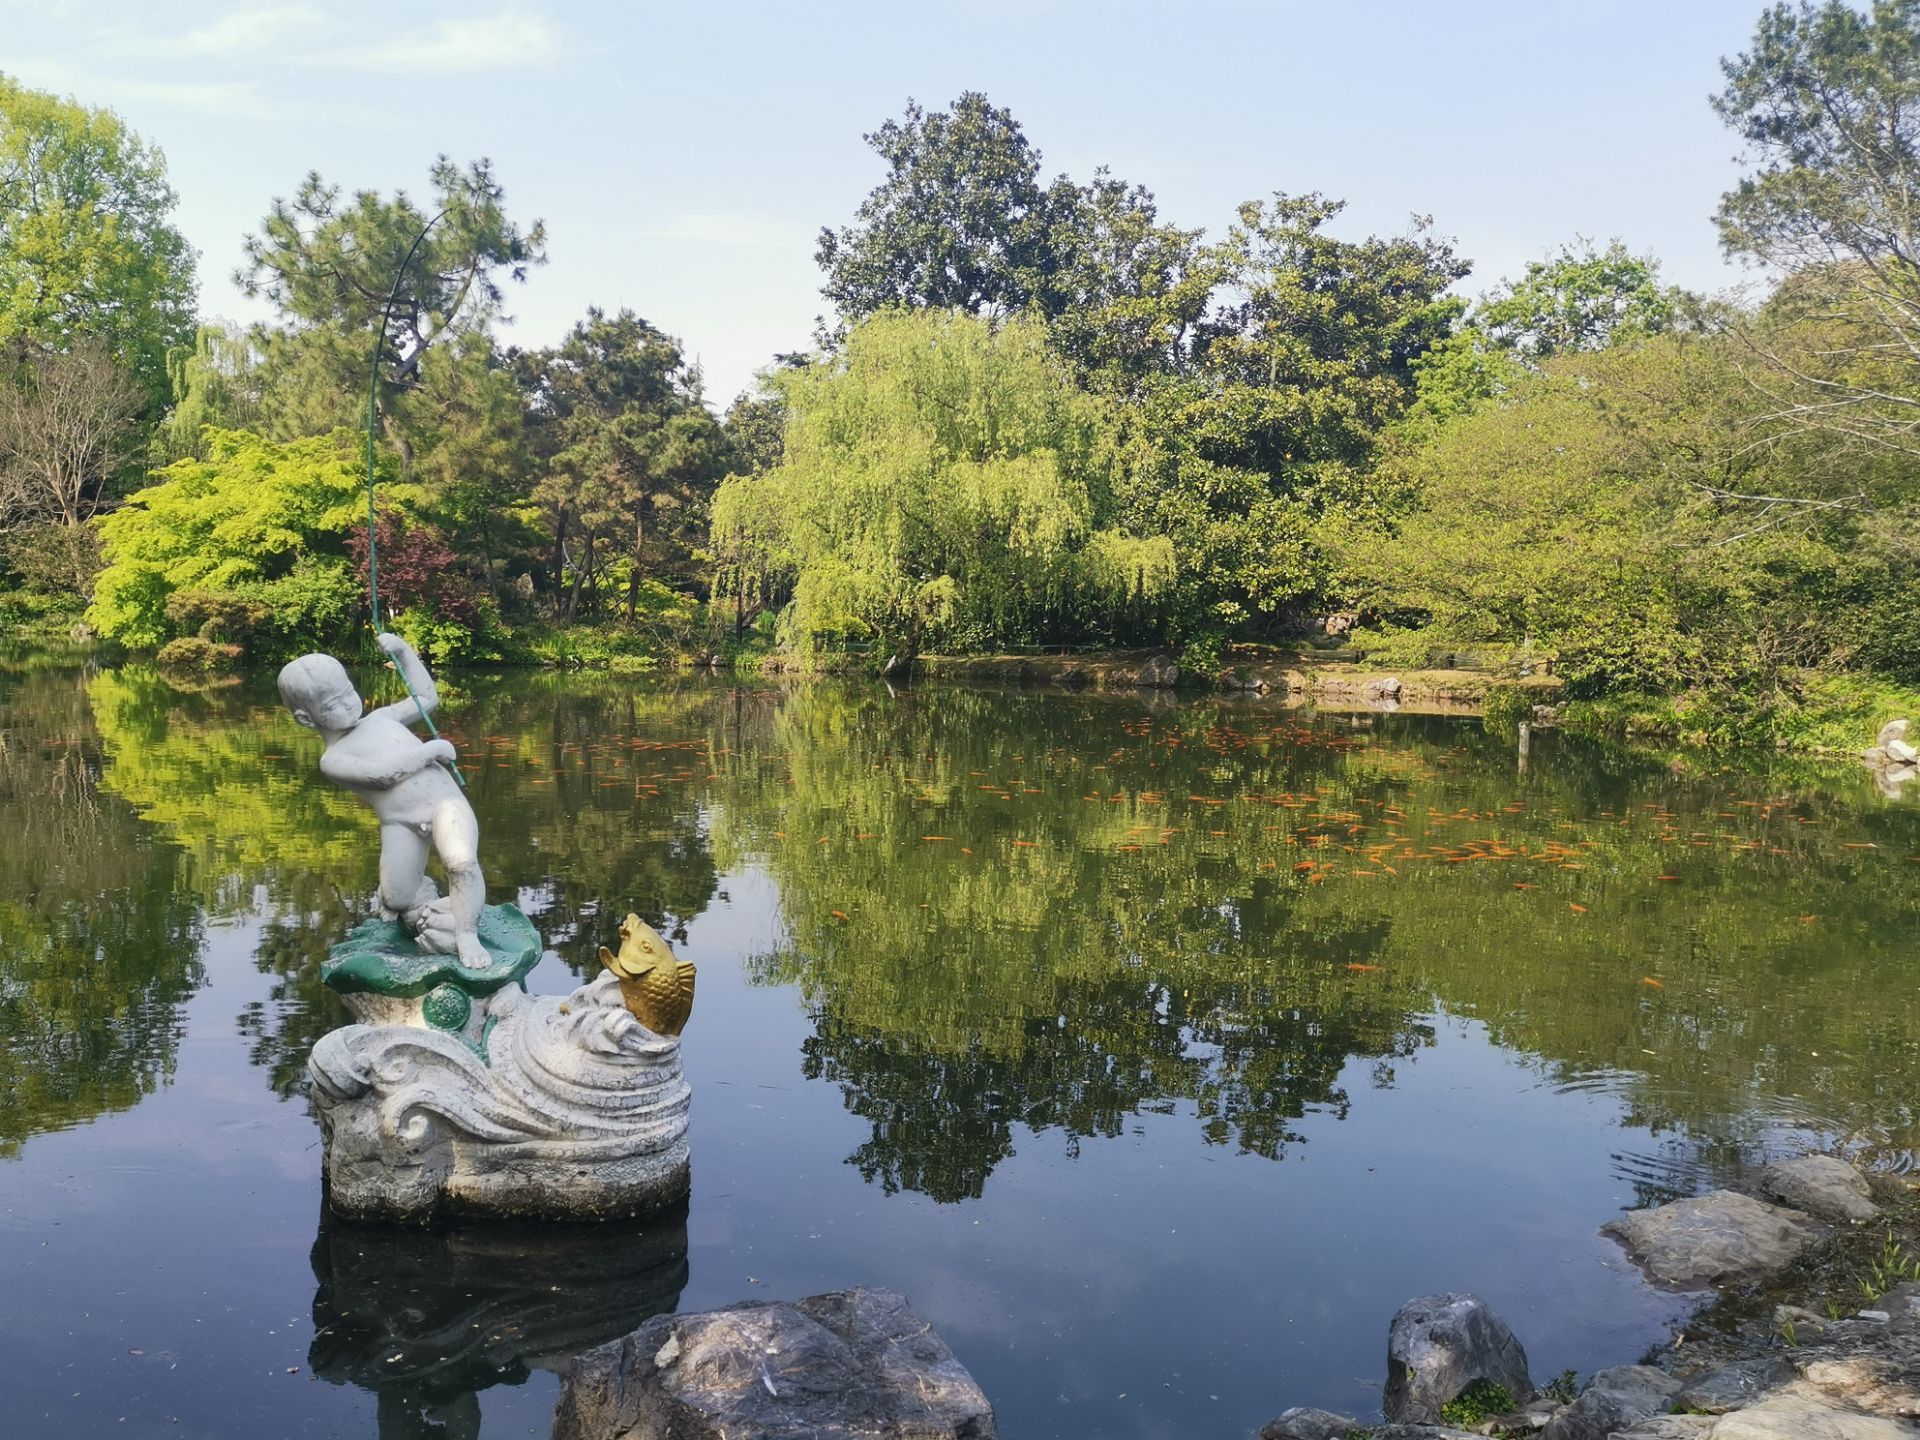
[{"x": 1156, "y": 1051}]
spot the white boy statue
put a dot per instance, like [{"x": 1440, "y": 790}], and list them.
[{"x": 420, "y": 803}]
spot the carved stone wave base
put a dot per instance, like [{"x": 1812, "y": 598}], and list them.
[{"x": 576, "y": 1111}]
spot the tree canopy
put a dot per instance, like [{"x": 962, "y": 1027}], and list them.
[
  {"x": 943, "y": 479},
  {"x": 88, "y": 248},
  {"x": 332, "y": 265},
  {"x": 961, "y": 220},
  {"x": 1828, "y": 102},
  {"x": 631, "y": 450},
  {"x": 254, "y": 519}
]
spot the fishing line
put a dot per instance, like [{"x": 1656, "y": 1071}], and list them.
[{"x": 373, "y": 546}]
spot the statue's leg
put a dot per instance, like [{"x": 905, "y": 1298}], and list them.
[
  {"x": 403, "y": 865},
  {"x": 456, "y": 836}
]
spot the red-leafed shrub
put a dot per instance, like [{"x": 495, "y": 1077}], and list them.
[{"x": 417, "y": 568}]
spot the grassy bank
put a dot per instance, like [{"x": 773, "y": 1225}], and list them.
[{"x": 1817, "y": 714}]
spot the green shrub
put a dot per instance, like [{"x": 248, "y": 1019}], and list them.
[
  {"x": 1479, "y": 1401},
  {"x": 1504, "y": 707},
  {"x": 195, "y": 655}
]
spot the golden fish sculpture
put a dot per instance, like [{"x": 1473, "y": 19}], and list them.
[{"x": 657, "y": 987}]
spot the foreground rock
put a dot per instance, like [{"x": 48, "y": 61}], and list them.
[
  {"x": 1728, "y": 1387},
  {"x": 830, "y": 1367},
  {"x": 1714, "y": 1239},
  {"x": 1614, "y": 1400},
  {"x": 1796, "y": 1417},
  {"x": 1820, "y": 1185},
  {"x": 1891, "y": 746},
  {"x": 1866, "y": 1364},
  {"x": 1303, "y": 1422},
  {"x": 1438, "y": 1345}
]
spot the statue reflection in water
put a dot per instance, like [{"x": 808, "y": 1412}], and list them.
[{"x": 426, "y": 1319}]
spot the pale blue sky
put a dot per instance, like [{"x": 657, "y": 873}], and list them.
[{"x": 684, "y": 156}]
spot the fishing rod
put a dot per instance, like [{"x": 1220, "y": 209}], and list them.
[{"x": 373, "y": 420}]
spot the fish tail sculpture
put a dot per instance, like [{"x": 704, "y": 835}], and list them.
[{"x": 657, "y": 986}]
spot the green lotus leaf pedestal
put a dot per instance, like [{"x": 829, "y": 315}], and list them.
[{"x": 387, "y": 979}]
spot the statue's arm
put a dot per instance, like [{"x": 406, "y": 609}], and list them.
[
  {"x": 381, "y": 771},
  {"x": 407, "y": 712}
]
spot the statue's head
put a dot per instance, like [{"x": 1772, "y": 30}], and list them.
[{"x": 319, "y": 693}]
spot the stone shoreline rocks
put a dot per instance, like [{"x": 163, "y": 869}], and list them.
[
  {"x": 1856, "y": 1378},
  {"x": 1893, "y": 758},
  {"x": 860, "y": 1363}
]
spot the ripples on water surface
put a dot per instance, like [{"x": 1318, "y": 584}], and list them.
[{"x": 1157, "y": 1052}]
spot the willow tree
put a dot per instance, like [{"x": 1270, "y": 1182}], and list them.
[{"x": 942, "y": 481}]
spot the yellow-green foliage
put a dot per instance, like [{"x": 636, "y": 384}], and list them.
[
  {"x": 942, "y": 479},
  {"x": 87, "y": 245},
  {"x": 1611, "y": 508},
  {"x": 257, "y": 517}
]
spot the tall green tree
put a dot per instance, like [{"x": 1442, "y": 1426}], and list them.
[
  {"x": 1289, "y": 387},
  {"x": 1578, "y": 299},
  {"x": 1124, "y": 290},
  {"x": 1582, "y": 298},
  {"x": 961, "y": 220},
  {"x": 629, "y": 453},
  {"x": 329, "y": 264},
  {"x": 88, "y": 248},
  {"x": 473, "y": 464},
  {"x": 1828, "y": 101},
  {"x": 943, "y": 480}
]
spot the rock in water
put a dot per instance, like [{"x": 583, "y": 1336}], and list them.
[
  {"x": 1892, "y": 732},
  {"x": 1438, "y": 1345},
  {"x": 1613, "y": 1400},
  {"x": 1714, "y": 1239},
  {"x": 1159, "y": 673},
  {"x": 830, "y": 1367},
  {"x": 1820, "y": 1185},
  {"x": 1303, "y": 1422}
]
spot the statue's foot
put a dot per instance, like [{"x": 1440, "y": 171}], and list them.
[
  {"x": 472, "y": 953},
  {"x": 410, "y": 913}
]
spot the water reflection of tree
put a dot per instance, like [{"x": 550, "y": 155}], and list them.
[
  {"x": 98, "y": 943},
  {"x": 965, "y": 986},
  {"x": 981, "y": 914}
]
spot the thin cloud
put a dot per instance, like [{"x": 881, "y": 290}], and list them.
[
  {"x": 250, "y": 32},
  {"x": 488, "y": 42},
  {"x": 308, "y": 37}
]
